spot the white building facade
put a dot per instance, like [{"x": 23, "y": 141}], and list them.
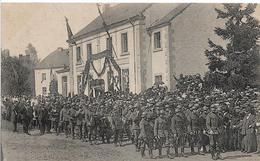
[
  {"x": 53, "y": 67},
  {"x": 151, "y": 44}
]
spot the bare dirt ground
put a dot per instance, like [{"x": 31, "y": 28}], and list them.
[{"x": 49, "y": 147}]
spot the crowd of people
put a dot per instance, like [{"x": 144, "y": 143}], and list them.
[{"x": 155, "y": 119}]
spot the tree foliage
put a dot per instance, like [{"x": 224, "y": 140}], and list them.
[
  {"x": 33, "y": 53},
  {"x": 234, "y": 66},
  {"x": 14, "y": 77}
]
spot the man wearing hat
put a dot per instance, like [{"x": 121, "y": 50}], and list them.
[
  {"x": 135, "y": 118},
  {"x": 72, "y": 115},
  {"x": 146, "y": 136},
  {"x": 194, "y": 128},
  {"x": 105, "y": 129},
  {"x": 48, "y": 117},
  {"x": 178, "y": 128},
  {"x": 55, "y": 117},
  {"x": 79, "y": 118},
  {"x": 117, "y": 126},
  {"x": 159, "y": 131},
  {"x": 15, "y": 114},
  {"x": 213, "y": 127},
  {"x": 64, "y": 119},
  {"x": 42, "y": 117}
]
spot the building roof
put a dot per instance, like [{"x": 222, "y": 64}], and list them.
[
  {"x": 56, "y": 59},
  {"x": 171, "y": 15},
  {"x": 122, "y": 13},
  {"x": 119, "y": 13}
]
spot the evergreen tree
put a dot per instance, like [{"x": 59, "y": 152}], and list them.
[{"x": 235, "y": 65}]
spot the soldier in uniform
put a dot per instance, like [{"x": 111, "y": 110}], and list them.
[
  {"x": 178, "y": 128},
  {"x": 204, "y": 139},
  {"x": 222, "y": 130},
  {"x": 79, "y": 118},
  {"x": 48, "y": 117},
  {"x": 117, "y": 126},
  {"x": 146, "y": 136},
  {"x": 64, "y": 119},
  {"x": 160, "y": 131},
  {"x": 168, "y": 133},
  {"x": 213, "y": 127},
  {"x": 87, "y": 125},
  {"x": 234, "y": 131},
  {"x": 72, "y": 115},
  {"x": 105, "y": 129},
  {"x": 55, "y": 118},
  {"x": 135, "y": 117},
  {"x": 194, "y": 128}
]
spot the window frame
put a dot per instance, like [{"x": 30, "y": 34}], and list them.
[
  {"x": 124, "y": 43},
  {"x": 78, "y": 54},
  {"x": 44, "y": 77},
  {"x": 156, "y": 75},
  {"x": 157, "y": 47},
  {"x": 91, "y": 51}
]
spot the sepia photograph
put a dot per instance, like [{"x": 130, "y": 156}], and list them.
[{"x": 87, "y": 81}]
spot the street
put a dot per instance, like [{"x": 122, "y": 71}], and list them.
[{"x": 22, "y": 147}]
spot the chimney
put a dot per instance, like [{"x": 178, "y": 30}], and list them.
[{"x": 105, "y": 7}]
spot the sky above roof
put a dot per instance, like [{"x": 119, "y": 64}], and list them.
[{"x": 43, "y": 24}]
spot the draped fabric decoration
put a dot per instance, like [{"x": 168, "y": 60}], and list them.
[
  {"x": 109, "y": 61},
  {"x": 118, "y": 69},
  {"x": 85, "y": 77},
  {"x": 103, "y": 69}
]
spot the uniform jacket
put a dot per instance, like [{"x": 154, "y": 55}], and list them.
[
  {"x": 213, "y": 123},
  {"x": 178, "y": 124},
  {"x": 135, "y": 117},
  {"x": 146, "y": 130},
  {"x": 80, "y": 116},
  {"x": 193, "y": 122},
  {"x": 64, "y": 115},
  {"x": 72, "y": 115},
  {"x": 117, "y": 122},
  {"x": 160, "y": 127}
]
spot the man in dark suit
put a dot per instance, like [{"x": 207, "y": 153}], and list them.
[
  {"x": 42, "y": 117},
  {"x": 15, "y": 114}
]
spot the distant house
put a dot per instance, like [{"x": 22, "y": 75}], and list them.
[
  {"x": 54, "y": 66},
  {"x": 152, "y": 42}
]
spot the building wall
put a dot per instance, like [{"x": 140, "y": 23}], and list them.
[
  {"x": 189, "y": 33},
  {"x": 59, "y": 80},
  {"x": 183, "y": 41},
  {"x": 39, "y": 84},
  {"x": 160, "y": 59},
  {"x": 129, "y": 60}
]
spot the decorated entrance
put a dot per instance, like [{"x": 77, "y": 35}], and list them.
[
  {"x": 97, "y": 87},
  {"x": 109, "y": 67}
]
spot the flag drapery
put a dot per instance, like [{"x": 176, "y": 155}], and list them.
[{"x": 69, "y": 31}]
